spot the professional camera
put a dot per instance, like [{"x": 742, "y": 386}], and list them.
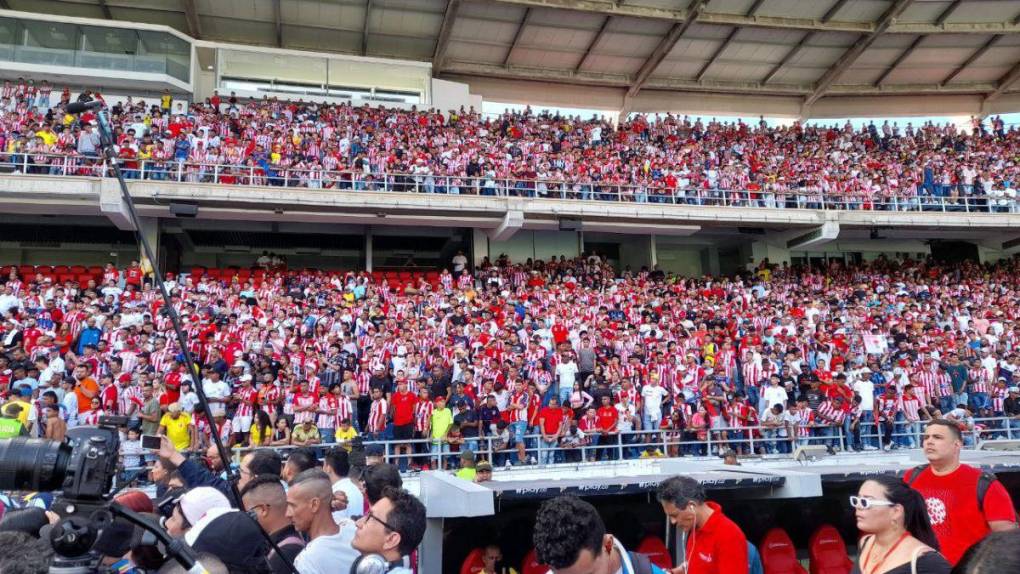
[{"x": 82, "y": 468}]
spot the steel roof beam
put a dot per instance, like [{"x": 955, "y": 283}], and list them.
[
  {"x": 899, "y": 59},
  {"x": 1004, "y": 83},
  {"x": 278, "y": 22},
  {"x": 191, "y": 16},
  {"x": 517, "y": 36},
  {"x": 971, "y": 59},
  {"x": 855, "y": 51},
  {"x": 102, "y": 5},
  {"x": 443, "y": 40},
  {"x": 616, "y": 8},
  {"x": 594, "y": 42},
  {"x": 364, "y": 27},
  {"x": 665, "y": 46}
]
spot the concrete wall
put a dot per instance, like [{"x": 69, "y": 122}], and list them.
[
  {"x": 686, "y": 260},
  {"x": 526, "y": 244},
  {"x": 66, "y": 255},
  {"x": 448, "y": 96},
  {"x": 635, "y": 252}
]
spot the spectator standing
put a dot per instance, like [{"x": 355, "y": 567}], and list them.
[
  {"x": 964, "y": 504},
  {"x": 715, "y": 544},
  {"x": 309, "y": 507}
]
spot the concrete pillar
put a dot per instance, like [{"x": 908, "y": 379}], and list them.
[
  {"x": 710, "y": 261},
  {"x": 368, "y": 249},
  {"x": 653, "y": 255},
  {"x": 430, "y": 551},
  {"x": 150, "y": 230},
  {"x": 479, "y": 246}
]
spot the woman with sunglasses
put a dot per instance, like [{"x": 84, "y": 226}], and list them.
[{"x": 898, "y": 535}]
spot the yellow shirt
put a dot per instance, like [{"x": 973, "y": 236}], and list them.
[
  {"x": 257, "y": 437},
  {"x": 23, "y": 415},
  {"x": 49, "y": 138},
  {"x": 344, "y": 437},
  {"x": 177, "y": 430}
]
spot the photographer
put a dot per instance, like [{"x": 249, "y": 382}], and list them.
[
  {"x": 392, "y": 529},
  {"x": 192, "y": 471}
]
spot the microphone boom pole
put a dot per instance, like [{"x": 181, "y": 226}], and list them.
[{"x": 106, "y": 144}]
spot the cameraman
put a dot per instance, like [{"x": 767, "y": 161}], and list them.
[
  {"x": 193, "y": 472},
  {"x": 392, "y": 529}
]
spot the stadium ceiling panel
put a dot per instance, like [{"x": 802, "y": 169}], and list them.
[{"x": 809, "y": 49}]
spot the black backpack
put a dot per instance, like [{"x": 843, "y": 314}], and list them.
[
  {"x": 984, "y": 483},
  {"x": 641, "y": 563}
]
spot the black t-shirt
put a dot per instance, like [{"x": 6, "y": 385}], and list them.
[
  {"x": 382, "y": 383},
  {"x": 464, "y": 418},
  {"x": 290, "y": 544},
  {"x": 439, "y": 387},
  {"x": 929, "y": 563}
]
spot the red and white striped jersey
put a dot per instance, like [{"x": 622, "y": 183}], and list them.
[
  {"x": 377, "y": 416},
  {"x": 887, "y": 407},
  {"x": 978, "y": 380},
  {"x": 422, "y": 415},
  {"x": 247, "y": 397},
  {"x": 999, "y": 396},
  {"x": 343, "y": 411},
  {"x": 830, "y": 413},
  {"x": 304, "y": 400},
  {"x": 327, "y": 419},
  {"x": 911, "y": 408}
]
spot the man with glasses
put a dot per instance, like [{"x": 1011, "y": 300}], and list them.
[
  {"x": 392, "y": 529},
  {"x": 266, "y": 500},
  {"x": 309, "y": 507}
]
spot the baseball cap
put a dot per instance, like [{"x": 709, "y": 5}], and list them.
[
  {"x": 483, "y": 466},
  {"x": 199, "y": 506},
  {"x": 245, "y": 377}
]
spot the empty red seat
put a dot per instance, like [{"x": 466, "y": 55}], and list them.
[
  {"x": 473, "y": 563},
  {"x": 26, "y": 270},
  {"x": 78, "y": 269},
  {"x": 197, "y": 271},
  {"x": 531, "y": 564},
  {"x": 778, "y": 555},
  {"x": 58, "y": 269},
  {"x": 83, "y": 280},
  {"x": 828, "y": 552},
  {"x": 655, "y": 549},
  {"x": 65, "y": 277},
  {"x": 96, "y": 270},
  {"x": 43, "y": 269}
]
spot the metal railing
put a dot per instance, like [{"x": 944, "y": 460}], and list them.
[
  {"x": 704, "y": 442},
  {"x": 956, "y": 198}
]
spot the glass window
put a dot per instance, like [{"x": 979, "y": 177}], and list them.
[
  {"x": 52, "y": 35},
  {"x": 153, "y": 43},
  {"x": 110, "y": 40},
  {"x": 10, "y": 31}
]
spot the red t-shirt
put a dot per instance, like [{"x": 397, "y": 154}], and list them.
[
  {"x": 953, "y": 507},
  {"x": 133, "y": 276},
  {"x": 403, "y": 408},
  {"x": 607, "y": 417},
  {"x": 553, "y": 417},
  {"x": 718, "y": 547}
]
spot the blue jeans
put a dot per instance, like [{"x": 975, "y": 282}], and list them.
[
  {"x": 327, "y": 435},
  {"x": 753, "y": 395},
  {"x": 960, "y": 398},
  {"x": 980, "y": 401},
  {"x": 438, "y": 449},
  {"x": 546, "y": 454},
  {"x": 868, "y": 430},
  {"x": 946, "y": 404}
]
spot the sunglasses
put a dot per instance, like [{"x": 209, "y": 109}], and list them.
[{"x": 861, "y": 503}]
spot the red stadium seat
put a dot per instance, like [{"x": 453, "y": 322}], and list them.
[
  {"x": 197, "y": 272},
  {"x": 26, "y": 270},
  {"x": 43, "y": 269},
  {"x": 655, "y": 549},
  {"x": 83, "y": 280},
  {"x": 58, "y": 269},
  {"x": 531, "y": 564},
  {"x": 778, "y": 555},
  {"x": 96, "y": 270},
  {"x": 78, "y": 269},
  {"x": 5, "y": 271},
  {"x": 828, "y": 552},
  {"x": 473, "y": 564},
  {"x": 65, "y": 277}
]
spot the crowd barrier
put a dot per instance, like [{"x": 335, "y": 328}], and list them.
[
  {"x": 674, "y": 443},
  {"x": 944, "y": 198}
]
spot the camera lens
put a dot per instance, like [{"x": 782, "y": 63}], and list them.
[{"x": 33, "y": 464}]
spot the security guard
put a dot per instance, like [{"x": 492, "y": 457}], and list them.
[{"x": 10, "y": 426}]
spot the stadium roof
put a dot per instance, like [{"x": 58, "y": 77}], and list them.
[{"x": 803, "y": 49}]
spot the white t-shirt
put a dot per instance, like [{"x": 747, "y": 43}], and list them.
[
  {"x": 459, "y": 262},
  {"x": 188, "y": 402},
  {"x": 355, "y": 499},
  {"x": 329, "y": 554},
  {"x": 774, "y": 396},
  {"x": 866, "y": 389},
  {"x": 217, "y": 390},
  {"x": 567, "y": 374},
  {"x": 651, "y": 397}
]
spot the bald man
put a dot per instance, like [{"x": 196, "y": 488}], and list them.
[
  {"x": 266, "y": 499},
  {"x": 309, "y": 507}
]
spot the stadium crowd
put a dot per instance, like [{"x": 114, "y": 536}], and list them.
[
  {"x": 566, "y": 352},
  {"x": 662, "y": 159}
]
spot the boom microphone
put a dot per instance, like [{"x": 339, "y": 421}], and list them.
[{"x": 79, "y": 107}]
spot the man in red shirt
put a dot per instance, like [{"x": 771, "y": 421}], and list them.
[
  {"x": 402, "y": 405},
  {"x": 951, "y": 493},
  {"x": 550, "y": 422},
  {"x": 715, "y": 544},
  {"x": 608, "y": 418},
  {"x": 133, "y": 275}
]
